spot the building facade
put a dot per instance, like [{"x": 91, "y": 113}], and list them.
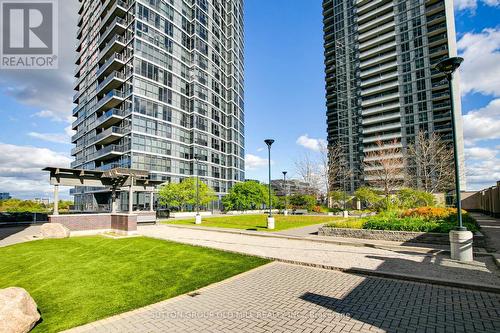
[
  {"x": 159, "y": 87},
  {"x": 381, "y": 85},
  {"x": 291, "y": 187},
  {"x": 5, "y": 196}
]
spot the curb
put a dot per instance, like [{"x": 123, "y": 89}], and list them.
[
  {"x": 428, "y": 250},
  {"x": 404, "y": 277}
]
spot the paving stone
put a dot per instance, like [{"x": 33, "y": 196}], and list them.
[{"x": 313, "y": 300}]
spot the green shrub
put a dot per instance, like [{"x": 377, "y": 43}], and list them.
[
  {"x": 368, "y": 197},
  {"x": 393, "y": 221},
  {"x": 410, "y": 198},
  {"x": 348, "y": 223},
  {"x": 302, "y": 201}
]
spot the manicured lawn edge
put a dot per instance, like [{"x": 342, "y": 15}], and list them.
[{"x": 93, "y": 292}]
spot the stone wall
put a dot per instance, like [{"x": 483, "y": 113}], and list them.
[
  {"x": 395, "y": 236},
  {"x": 97, "y": 222}
]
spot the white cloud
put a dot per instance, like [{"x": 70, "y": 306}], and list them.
[
  {"x": 49, "y": 90},
  {"x": 253, "y": 162},
  {"x": 50, "y": 137},
  {"x": 310, "y": 143},
  {"x": 483, "y": 124},
  {"x": 482, "y": 173},
  {"x": 55, "y": 116},
  {"x": 480, "y": 71},
  {"x": 472, "y": 4},
  {"x": 21, "y": 169},
  {"x": 480, "y": 153}
]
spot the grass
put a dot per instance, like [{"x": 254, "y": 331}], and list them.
[
  {"x": 259, "y": 222},
  {"x": 79, "y": 280}
]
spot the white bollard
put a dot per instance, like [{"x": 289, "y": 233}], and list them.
[
  {"x": 270, "y": 223},
  {"x": 198, "y": 219},
  {"x": 461, "y": 245},
  {"x": 345, "y": 214},
  {"x": 285, "y": 212}
]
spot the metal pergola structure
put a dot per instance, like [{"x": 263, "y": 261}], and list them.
[{"x": 119, "y": 179}]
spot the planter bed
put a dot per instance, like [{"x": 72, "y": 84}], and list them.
[{"x": 396, "y": 236}]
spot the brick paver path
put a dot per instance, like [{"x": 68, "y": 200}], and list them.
[
  {"x": 287, "y": 298},
  {"x": 404, "y": 262}
]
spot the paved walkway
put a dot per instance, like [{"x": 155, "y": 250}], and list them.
[
  {"x": 490, "y": 227},
  {"x": 349, "y": 258},
  {"x": 14, "y": 235},
  {"x": 287, "y": 298}
]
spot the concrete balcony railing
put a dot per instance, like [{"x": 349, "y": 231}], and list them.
[
  {"x": 381, "y": 99},
  {"x": 113, "y": 81},
  {"x": 380, "y": 78},
  {"x": 379, "y": 68},
  {"x": 387, "y": 46},
  {"x": 110, "y": 117},
  {"x": 381, "y": 128},
  {"x": 114, "y": 62},
  {"x": 376, "y": 138},
  {"x": 111, "y": 100},
  {"x": 373, "y": 9},
  {"x": 381, "y": 108},
  {"x": 372, "y": 24},
  {"x": 110, "y": 151},
  {"x": 380, "y": 88},
  {"x": 117, "y": 26},
  {"x": 379, "y": 59},
  {"x": 380, "y": 29},
  {"x": 110, "y": 135},
  {"x": 115, "y": 45},
  {"x": 382, "y": 118}
]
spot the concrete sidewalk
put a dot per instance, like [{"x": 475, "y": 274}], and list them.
[
  {"x": 490, "y": 227},
  {"x": 14, "y": 235},
  {"x": 403, "y": 263}
]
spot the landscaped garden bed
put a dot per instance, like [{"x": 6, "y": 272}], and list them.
[
  {"x": 420, "y": 225},
  {"x": 259, "y": 222},
  {"x": 78, "y": 280}
]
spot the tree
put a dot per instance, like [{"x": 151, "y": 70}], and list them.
[
  {"x": 303, "y": 201},
  {"x": 431, "y": 160},
  {"x": 411, "y": 198},
  {"x": 180, "y": 195},
  {"x": 22, "y": 206},
  {"x": 309, "y": 172},
  {"x": 367, "y": 196},
  {"x": 247, "y": 196},
  {"x": 385, "y": 167}
]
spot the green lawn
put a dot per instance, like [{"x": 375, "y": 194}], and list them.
[
  {"x": 259, "y": 222},
  {"x": 79, "y": 280}
]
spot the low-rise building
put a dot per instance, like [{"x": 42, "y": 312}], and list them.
[
  {"x": 291, "y": 187},
  {"x": 5, "y": 196}
]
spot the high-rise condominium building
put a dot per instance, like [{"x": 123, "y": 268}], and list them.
[
  {"x": 159, "y": 88},
  {"x": 380, "y": 78}
]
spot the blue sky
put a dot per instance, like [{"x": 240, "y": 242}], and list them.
[{"x": 284, "y": 94}]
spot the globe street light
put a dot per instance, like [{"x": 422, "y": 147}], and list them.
[
  {"x": 460, "y": 239},
  {"x": 270, "y": 219},
  {"x": 285, "y": 212}
]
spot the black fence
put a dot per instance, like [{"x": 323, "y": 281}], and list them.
[{"x": 23, "y": 217}]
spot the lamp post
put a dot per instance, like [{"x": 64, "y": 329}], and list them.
[
  {"x": 198, "y": 216},
  {"x": 460, "y": 239},
  {"x": 285, "y": 212},
  {"x": 270, "y": 219}
]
